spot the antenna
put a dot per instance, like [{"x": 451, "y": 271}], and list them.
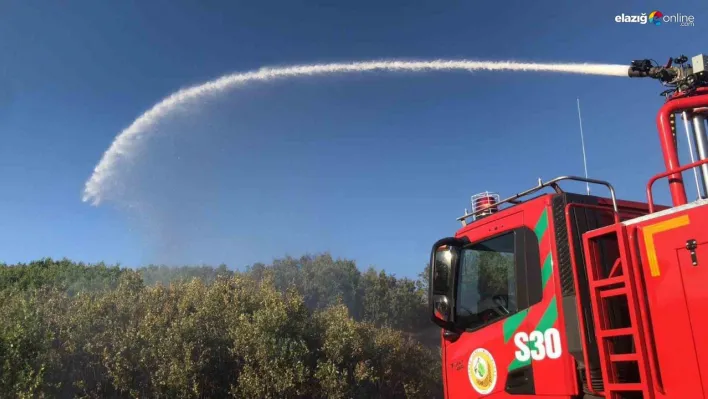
[{"x": 582, "y": 141}]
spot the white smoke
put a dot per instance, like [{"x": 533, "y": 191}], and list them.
[{"x": 124, "y": 144}]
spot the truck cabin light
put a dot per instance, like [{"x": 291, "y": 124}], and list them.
[{"x": 484, "y": 204}]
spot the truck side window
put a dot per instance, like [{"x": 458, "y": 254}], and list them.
[{"x": 486, "y": 289}]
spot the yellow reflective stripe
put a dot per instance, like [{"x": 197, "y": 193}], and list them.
[{"x": 656, "y": 228}]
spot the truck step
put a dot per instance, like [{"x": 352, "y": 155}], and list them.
[
  {"x": 613, "y": 292},
  {"x": 618, "y": 387},
  {"x": 616, "y": 332},
  {"x": 624, "y": 357},
  {"x": 606, "y": 282}
]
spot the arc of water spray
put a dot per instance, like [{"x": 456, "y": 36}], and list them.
[{"x": 124, "y": 144}]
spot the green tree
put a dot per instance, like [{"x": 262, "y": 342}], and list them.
[{"x": 214, "y": 334}]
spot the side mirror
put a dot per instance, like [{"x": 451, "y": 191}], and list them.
[{"x": 444, "y": 259}]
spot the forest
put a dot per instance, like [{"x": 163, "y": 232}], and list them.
[{"x": 308, "y": 327}]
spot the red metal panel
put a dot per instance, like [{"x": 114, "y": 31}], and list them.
[
  {"x": 553, "y": 376},
  {"x": 695, "y": 278},
  {"x": 675, "y": 298},
  {"x": 694, "y": 282},
  {"x": 458, "y": 353}
]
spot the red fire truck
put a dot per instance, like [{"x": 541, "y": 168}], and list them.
[{"x": 562, "y": 295}]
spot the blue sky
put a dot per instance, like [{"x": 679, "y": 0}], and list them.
[{"x": 373, "y": 168}]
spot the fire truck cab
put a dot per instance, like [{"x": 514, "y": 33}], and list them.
[{"x": 564, "y": 295}]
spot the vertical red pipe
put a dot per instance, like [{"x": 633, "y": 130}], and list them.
[
  {"x": 663, "y": 122},
  {"x": 671, "y": 161}
]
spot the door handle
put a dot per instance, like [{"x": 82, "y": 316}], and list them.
[{"x": 691, "y": 246}]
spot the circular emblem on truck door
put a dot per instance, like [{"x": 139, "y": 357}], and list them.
[{"x": 482, "y": 371}]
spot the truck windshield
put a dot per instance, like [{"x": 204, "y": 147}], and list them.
[{"x": 486, "y": 282}]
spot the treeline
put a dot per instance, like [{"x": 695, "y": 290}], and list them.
[{"x": 313, "y": 327}]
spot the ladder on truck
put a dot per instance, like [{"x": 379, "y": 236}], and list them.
[{"x": 617, "y": 305}]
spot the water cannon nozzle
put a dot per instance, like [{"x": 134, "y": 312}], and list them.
[
  {"x": 639, "y": 69},
  {"x": 645, "y": 69}
]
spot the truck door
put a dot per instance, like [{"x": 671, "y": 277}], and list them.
[
  {"x": 498, "y": 279},
  {"x": 674, "y": 253},
  {"x": 694, "y": 276}
]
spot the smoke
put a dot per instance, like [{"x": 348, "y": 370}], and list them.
[{"x": 125, "y": 144}]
